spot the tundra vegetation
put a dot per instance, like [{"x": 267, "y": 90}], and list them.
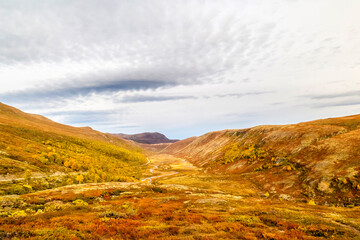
[
  {"x": 59, "y": 182},
  {"x": 188, "y": 205},
  {"x": 38, "y": 154},
  {"x": 75, "y": 160}
]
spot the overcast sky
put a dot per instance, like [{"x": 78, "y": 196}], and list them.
[{"x": 182, "y": 68}]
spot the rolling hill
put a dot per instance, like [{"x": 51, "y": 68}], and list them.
[
  {"x": 37, "y": 146},
  {"x": 318, "y": 159}
]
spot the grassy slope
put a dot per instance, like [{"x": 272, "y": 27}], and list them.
[
  {"x": 14, "y": 117},
  {"x": 32, "y": 142},
  {"x": 189, "y": 205},
  {"x": 318, "y": 159}
]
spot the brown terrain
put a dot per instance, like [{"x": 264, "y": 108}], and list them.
[{"x": 318, "y": 159}]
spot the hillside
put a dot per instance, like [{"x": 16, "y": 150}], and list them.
[
  {"x": 153, "y": 147},
  {"x": 34, "y": 146},
  {"x": 317, "y": 159},
  {"x": 147, "y": 138},
  {"x": 61, "y": 182},
  {"x": 15, "y": 117}
]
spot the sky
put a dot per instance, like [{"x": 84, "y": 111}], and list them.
[{"x": 180, "y": 67}]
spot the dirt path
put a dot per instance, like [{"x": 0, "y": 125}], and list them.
[
  {"x": 164, "y": 165},
  {"x": 159, "y": 167}
]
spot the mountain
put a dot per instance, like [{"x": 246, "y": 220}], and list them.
[
  {"x": 147, "y": 138},
  {"x": 34, "y": 145},
  {"x": 314, "y": 159}
]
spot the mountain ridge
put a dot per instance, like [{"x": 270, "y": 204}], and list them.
[
  {"x": 147, "y": 137},
  {"x": 317, "y": 158},
  {"x": 16, "y": 117}
]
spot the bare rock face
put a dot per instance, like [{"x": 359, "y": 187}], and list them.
[{"x": 147, "y": 138}]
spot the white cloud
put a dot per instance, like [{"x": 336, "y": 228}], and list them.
[{"x": 88, "y": 56}]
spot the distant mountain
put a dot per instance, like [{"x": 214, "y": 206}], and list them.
[{"x": 147, "y": 138}]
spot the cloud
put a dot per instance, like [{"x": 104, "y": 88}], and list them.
[
  {"x": 176, "y": 65},
  {"x": 139, "y": 98},
  {"x": 239, "y": 95},
  {"x": 335, "y": 95},
  {"x": 337, "y": 104},
  {"x": 73, "y": 91}
]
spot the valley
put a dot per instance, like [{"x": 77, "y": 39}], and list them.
[
  {"x": 175, "y": 200},
  {"x": 179, "y": 120},
  {"x": 268, "y": 182}
]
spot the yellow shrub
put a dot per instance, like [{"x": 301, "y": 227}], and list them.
[
  {"x": 20, "y": 213},
  {"x": 80, "y": 203},
  {"x": 28, "y": 188},
  {"x": 311, "y": 202}
]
